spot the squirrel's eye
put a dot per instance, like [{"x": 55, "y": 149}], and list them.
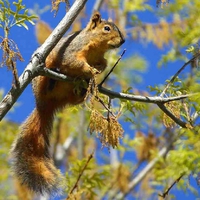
[{"x": 107, "y": 28}]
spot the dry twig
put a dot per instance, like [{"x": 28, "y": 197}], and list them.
[
  {"x": 80, "y": 175},
  {"x": 112, "y": 68},
  {"x": 166, "y": 193}
]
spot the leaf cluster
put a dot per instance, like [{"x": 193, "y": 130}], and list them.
[
  {"x": 18, "y": 17},
  {"x": 107, "y": 129},
  {"x": 8, "y": 19},
  {"x": 92, "y": 179},
  {"x": 182, "y": 160}
]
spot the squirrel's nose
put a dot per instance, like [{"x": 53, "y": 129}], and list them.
[{"x": 122, "y": 41}]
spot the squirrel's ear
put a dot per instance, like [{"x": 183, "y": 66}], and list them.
[
  {"x": 110, "y": 20},
  {"x": 95, "y": 20}
]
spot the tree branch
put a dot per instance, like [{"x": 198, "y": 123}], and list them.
[
  {"x": 112, "y": 68},
  {"x": 178, "y": 72},
  {"x": 112, "y": 94},
  {"x": 39, "y": 57},
  {"x": 52, "y": 74},
  {"x": 80, "y": 175},
  {"x": 139, "y": 98},
  {"x": 159, "y": 100},
  {"x": 156, "y": 100}
]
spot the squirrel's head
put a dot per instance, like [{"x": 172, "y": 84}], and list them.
[{"x": 105, "y": 32}]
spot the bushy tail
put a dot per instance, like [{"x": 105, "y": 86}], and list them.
[{"x": 32, "y": 163}]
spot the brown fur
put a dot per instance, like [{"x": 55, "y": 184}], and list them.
[{"x": 76, "y": 56}]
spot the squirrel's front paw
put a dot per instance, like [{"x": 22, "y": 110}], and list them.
[{"x": 94, "y": 71}]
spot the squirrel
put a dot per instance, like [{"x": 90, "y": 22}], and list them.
[{"x": 78, "y": 55}]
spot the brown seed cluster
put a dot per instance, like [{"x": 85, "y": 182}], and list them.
[
  {"x": 173, "y": 107},
  {"x": 10, "y": 53},
  {"x": 107, "y": 129},
  {"x": 56, "y": 4}
]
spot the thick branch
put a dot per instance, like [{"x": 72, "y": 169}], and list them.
[{"x": 39, "y": 57}]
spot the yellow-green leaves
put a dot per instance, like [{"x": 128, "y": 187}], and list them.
[
  {"x": 8, "y": 19},
  {"x": 18, "y": 16}
]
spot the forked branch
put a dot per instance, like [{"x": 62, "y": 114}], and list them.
[
  {"x": 178, "y": 72},
  {"x": 39, "y": 57}
]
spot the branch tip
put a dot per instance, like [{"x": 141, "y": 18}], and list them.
[
  {"x": 177, "y": 73},
  {"x": 112, "y": 68}
]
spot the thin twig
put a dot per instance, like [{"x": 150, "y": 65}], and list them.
[
  {"x": 15, "y": 74},
  {"x": 98, "y": 4},
  {"x": 112, "y": 68},
  {"x": 166, "y": 193},
  {"x": 177, "y": 73},
  {"x": 80, "y": 175},
  {"x": 54, "y": 75},
  {"x": 103, "y": 104},
  {"x": 146, "y": 99},
  {"x": 109, "y": 105}
]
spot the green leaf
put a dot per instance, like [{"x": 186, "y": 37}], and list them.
[
  {"x": 26, "y": 12},
  {"x": 19, "y": 25},
  {"x": 190, "y": 49},
  {"x": 30, "y": 21}
]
